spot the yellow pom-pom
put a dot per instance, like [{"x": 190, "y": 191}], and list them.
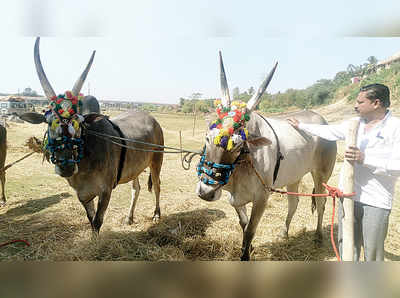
[
  {"x": 230, "y": 144},
  {"x": 217, "y": 139},
  {"x": 65, "y": 114},
  {"x": 75, "y": 124},
  {"x": 246, "y": 132},
  {"x": 55, "y": 124},
  {"x": 217, "y": 102}
]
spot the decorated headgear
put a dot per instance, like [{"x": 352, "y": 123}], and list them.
[
  {"x": 229, "y": 129},
  {"x": 66, "y": 106}
]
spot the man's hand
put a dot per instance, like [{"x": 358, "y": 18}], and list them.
[
  {"x": 293, "y": 122},
  {"x": 354, "y": 154}
]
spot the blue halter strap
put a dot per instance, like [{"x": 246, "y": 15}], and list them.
[
  {"x": 64, "y": 142},
  {"x": 225, "y": 173}
]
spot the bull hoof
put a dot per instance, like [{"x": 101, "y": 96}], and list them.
[
  {"x": 156, "y": 217},
  {"x": 318, "y": 239},
  {"x": 283, "y": 234},
  {"x": 2, "y": 203},
  {"x": 246, "y": 255},
  {"x": 130, "y": 221}
]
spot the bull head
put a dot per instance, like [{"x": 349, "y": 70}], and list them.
[
  {"x": 63, "y": 119},
  {"x": 227, "y": 138}
]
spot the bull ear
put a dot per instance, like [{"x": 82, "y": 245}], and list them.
[
  {"x": 93, "y": 117},
  {"x": 32, "y": 117},
  {"x": 259, "y": 141}
]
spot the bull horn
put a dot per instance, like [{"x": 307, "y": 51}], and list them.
[
  {"x": 256, "y": 98},
  {"x": 79, "y": 83},
  {"x": 226, "y": 101},
  {"x": 48, "y": 90}
]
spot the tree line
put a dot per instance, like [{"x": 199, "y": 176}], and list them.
[{"x": 319, "y": 93}]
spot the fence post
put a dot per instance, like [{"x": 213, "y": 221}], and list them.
[{"x": 348, "y": 203}]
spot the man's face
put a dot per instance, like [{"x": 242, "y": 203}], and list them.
[{"x": 365, "y": 106}]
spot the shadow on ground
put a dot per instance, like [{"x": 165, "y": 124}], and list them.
[
  {"x": 299, "y": 247},
  {"x": 178, "y": 236},
  {"x": 36, "y": 205}
]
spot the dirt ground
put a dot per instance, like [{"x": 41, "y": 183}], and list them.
[{"x": 43, "y": 210}]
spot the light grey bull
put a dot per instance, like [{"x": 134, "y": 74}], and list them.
[
  {"x": 104, "y": 164},
  {"x": 302, "y": 153}
]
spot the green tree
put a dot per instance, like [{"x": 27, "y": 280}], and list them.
[
  {"x": 372, "y": 60},
  {"x": 235, "y": 93}
]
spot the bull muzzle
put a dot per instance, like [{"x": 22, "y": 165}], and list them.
[{"x": 207, "y": 192}]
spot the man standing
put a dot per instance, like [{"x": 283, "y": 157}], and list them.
[{"x": 376, "y": 167}]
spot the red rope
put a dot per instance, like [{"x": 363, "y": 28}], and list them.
[
  {"x": 333, "y": 192},
  {"x": 14, "y": 241}
]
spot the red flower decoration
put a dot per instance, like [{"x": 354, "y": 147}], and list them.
[
  {"x": 236, "y": 118},
  {"x": 54, "y": 97},
  {"x": 219, "y": 125},
  {"x": 230, "y": 129},
  {"x": 59, "y": 100},
  {"x": 71, "y": 111},
  {"x": 74, "y": 100},
  {"x": 68, "y": 94},
  {"x": 60, "y": 111}
]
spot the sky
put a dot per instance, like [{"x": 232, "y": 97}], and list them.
[{"x": 159, "y": 51}]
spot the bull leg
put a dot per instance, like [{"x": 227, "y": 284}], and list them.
[
  {"x": 257, "y": 211},
  {"x": 293, "y": 201},
  {"x": 88, "y": 204},
  {"x": 102, "y": 204},
  {"x": 320, "y": 202},
  {"x": 243, "y": 219},
  {"x": 134, "y": 198},
  {"x": 3, "y": 195},
  {"x": 155, "y": 170}
]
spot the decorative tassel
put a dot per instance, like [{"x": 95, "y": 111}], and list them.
[
  {"x": 230, "y": 145},
  {"x": 71, "y": 130},
  {"x": 55, "y": 124},
  {"x": 217, "y": 140},
  {"x": 224, "y": 142}
]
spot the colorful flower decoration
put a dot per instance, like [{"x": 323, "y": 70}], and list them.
[
  {"x": 66, "y": 105},
  {"x": 230, "y": 124}
]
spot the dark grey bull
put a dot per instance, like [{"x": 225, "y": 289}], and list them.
[
  {"x": 3, "y": 154},
  {"x": 105, "y": 163},
  {"x": 302, "y": 154}
]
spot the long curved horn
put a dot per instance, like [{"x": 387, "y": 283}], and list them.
[
  {"x": 79, "y": 83},
  {"x": 226, "y": 100},
  {"x": 48, "y": 90},
  {"x": 255, "y": 100}
]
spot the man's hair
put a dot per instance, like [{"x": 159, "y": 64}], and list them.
[{"x": 377, "y": 91}]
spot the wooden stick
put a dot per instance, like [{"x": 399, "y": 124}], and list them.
[
  {"x": 194, "y": 117},
  {"x": 348, "y": 203},
  {"x": 180, "y": 142}
]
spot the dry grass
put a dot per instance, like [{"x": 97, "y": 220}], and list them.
[{"x": 42, "y": 209}]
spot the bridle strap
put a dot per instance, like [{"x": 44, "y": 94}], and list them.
[
  {"x": 279, "y": 155},
  {"x": 123, "y": 151}
]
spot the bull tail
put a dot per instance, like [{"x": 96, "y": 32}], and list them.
[
  {"x": 313, "y": 203},
  {"x": 149, "y": 183}
]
